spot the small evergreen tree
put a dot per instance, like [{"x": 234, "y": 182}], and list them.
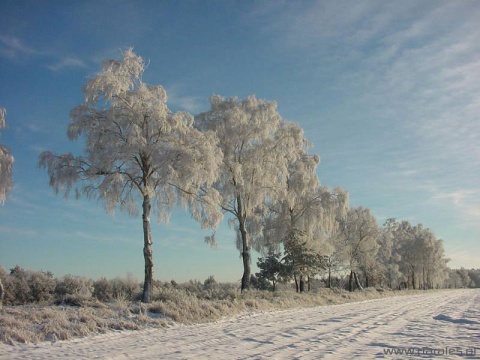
[
  {"x": 303, "y": 261},
  {"x": 259, "y": 283},
  {"x": 272, "y": 270}
]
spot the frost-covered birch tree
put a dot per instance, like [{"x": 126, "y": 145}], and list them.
[
  {"x": 303, "y": 216},
  {"x": 434, "y": 264},
  {"x": 388, "y": 257},
  {"x": 137, "y": 152},
  {"x": 6, "y": 164},
  {"x": 257, "y": 147},
  {"x": 422, "y": 256},
  {"x": 358, "y": 233}
]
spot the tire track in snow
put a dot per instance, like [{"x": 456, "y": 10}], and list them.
[{"x": 354, "y": 330}]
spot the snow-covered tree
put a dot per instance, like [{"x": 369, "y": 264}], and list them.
[
  {"x": 6, "y": 164},
  {"x": 412, "y": 251},
  {"x": 474, "y": 275},
  {"x": 301, "y": 218},
  {"x": 388, "y": 257},
  {"x": 137, "y": 151},
  {"x": 357, "y": 234},
  {"x": 298, "y": 209},
  {"x": 305, "y": 206},
  {"x": 454, "y": 280},
  {"x": 433, "y": 271},
  {"x": 464, "y": 277},
  {"x": 257, "y": 147},
  {"x": 416, "y": 254}
]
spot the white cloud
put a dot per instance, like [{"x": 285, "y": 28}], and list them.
[
  {"x": 100, "y": 237},
  {"x": 192, "y": 104},
  {"x": 67, "y": 63},
  {"x": 13, "y": 47},
  {"x": 465, "y": 202},
  {"x": 406, "y": 79},
  {"x": 37, "y": 148}
]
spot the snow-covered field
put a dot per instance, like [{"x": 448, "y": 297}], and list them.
[{"x": 436, "y": 325}]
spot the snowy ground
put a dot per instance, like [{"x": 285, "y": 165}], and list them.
[{"x": 440, "y": 325}]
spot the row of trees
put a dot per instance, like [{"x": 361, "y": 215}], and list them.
[
  {"x": 462, "y": 278},
  {"x": 240, "y": 158},
  {"x": 397, "y": 255}
]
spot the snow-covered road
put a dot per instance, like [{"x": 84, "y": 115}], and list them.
[{"x": 436, "y": 325}]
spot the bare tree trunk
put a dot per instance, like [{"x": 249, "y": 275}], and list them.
[
  {"x": 329, "y": 277},
  {"x": 1, "y": 292},
  {"x": 245, "y": 248},
  {"x": 302, "y": 284},
  {"x": 424, "y": 279},
  {"x": 413, "y": 280},
  {"x": 357, "y": 282},
  {"x": 350, "y": 281},
  {"x": 296, "y": 282},
  {"x": 246, "y": 259},
  {"x": 147, "y": 250}
]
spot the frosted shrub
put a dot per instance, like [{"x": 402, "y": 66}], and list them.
[
  {"x": 19, "y": 286},
  {"x": 210, "y": 283},
  {"x": 127, "y": 288},
  {"x": 74, "y": 285},
  {"x": 42, "y": 286},
  {"x": 103, "y": 289},
  {"x": 26, "y": 286},
  {"x": 193, "y": 286},
  {"x": 221, "y": 291}
]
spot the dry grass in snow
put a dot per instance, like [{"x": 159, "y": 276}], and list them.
[{"x": 37, "y": 323}]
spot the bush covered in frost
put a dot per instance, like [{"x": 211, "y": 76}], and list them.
[
  {"x": 74, "y": 286},
  {"x": 26, "y": 286},
  {"x": 127, "y": 288}
]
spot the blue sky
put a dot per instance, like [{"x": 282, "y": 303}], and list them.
[{"x": 388, "y": 92}]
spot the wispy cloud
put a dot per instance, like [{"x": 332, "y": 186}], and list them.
[
  {"x": 20, "y": 232},
  {"x": 37, "y": 148},
  {"x": 466, "y": 204},
  {"x": 66, "y": 63},
  {"x": 99, "y": 237},
  {"x": 181, "y": 101},
  {"x": 414, "y": 66},
  {"x": 12, "y": 47},
  {"x": 406, "y": 126}
]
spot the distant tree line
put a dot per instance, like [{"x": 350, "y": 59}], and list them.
[{"x": 397, "y": 255}]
